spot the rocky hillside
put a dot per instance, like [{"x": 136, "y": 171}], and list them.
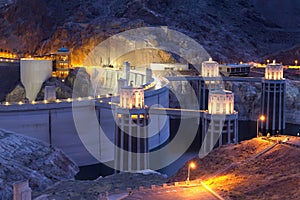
[
  {"x": 248, "y": 100},
  {"x": 23, "y": 158},
  {"x": 228, "y": 30},
  {"x": 90, "y": 190},
  {"x": 241, "y": 172}
]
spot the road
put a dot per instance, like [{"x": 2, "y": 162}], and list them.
[{"x": 191, "y": 192}]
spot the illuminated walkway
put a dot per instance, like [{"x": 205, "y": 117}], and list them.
[{"x": 192, "y": 192}]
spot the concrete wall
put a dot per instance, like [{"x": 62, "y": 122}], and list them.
[
  {"x": 159, "y": 126},
  {"x": 54, "y": 123},
  {"x": 165, "y": 66},
  {"x": 33, "y": 74}
]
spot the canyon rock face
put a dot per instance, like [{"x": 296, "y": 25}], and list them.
[
  {"x": 228, "y": 30},
  {"x": 248, "y": 100},
  {"x": 17, "y": 94},
  {"x": 24, "y": 158}
]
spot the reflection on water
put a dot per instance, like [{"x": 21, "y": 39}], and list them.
[{"x": 247, "y": 130}]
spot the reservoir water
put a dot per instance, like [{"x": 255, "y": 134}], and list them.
[{"x": 247, "y": 130}]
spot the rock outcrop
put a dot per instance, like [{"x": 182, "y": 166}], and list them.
[
  {"x": 23, "y": 158},
  {"x": 248, "y": 100},
  {"x": 91, "y": 189},
  {"x": 17, "y": 94},
  {"x": 228, "y": 30}
]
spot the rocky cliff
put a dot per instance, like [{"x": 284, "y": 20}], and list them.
[
  {"x": 23, "y": 158},
  {"x": 248, "y": 100},
  {"x": 228, "y": 30}
]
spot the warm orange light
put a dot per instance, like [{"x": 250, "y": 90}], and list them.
[
  {"x": 192, "y": 165},
  {"x": 262, "y": 118}
]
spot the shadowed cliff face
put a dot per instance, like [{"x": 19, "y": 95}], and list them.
[
  {"x": 228, "y": 30},
  {"x": 24, "y": 158}
]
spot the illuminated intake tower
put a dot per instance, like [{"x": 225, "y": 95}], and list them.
[
  {"x": 131, "y": 141},
  {"x": 211, "y": 80},
  {"x": 220, "y": 121},
  {"x": 273, "y": 100}
]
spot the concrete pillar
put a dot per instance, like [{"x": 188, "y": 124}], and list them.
[
  {"x": 121, "y": 84},
  {"x": 22, "y": 191},
  {"x": 126, "y": 71},
  {"x": 148, "y": 75},
  {"x": 50, "y": 93},
  {"x": 273, "y": 106}
]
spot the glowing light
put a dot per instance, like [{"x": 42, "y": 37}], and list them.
[
  {"x": 6, "y": 103},
  {"x": 134, "y": 116},
  {"x": 98, "y": 96},
  {"x": 33, "y": 102},
  {"x": 45, "y": 101},
  {"x": 20, "y": 103},
  {"x": 90, "y": 97},
  {"x": 101, "y": 101},
  {"x": 79, "y": 98},
  {"x": 262, "y": 118},
  {"x": 69, "y": 100},
  {"x": 192, "y": 165},
  {"x": 57, "y": 101}
]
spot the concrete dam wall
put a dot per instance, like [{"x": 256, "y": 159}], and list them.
[{"x": 53, "y": 123}]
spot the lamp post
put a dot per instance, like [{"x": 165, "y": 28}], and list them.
[
  {"x": 296, "y": 62},
  {"x": 192, "y": 165},
  {"x": 261, "y": 118}
]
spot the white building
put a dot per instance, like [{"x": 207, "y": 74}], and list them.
[
  {"x": 220, "y": 121},
  {"x": 131, "y": 139},
  {"x": 211, "y": 80}
]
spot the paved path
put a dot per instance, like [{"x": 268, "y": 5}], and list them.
[
  {"x": 192, "y": 192},
  {"x": 117, "y": 196}
]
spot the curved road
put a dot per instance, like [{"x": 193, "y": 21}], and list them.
[{"x": 191, "y": 192}]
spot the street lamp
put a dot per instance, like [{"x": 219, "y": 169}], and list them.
[
  {"x": 296, "y": 62},
  {"x": 268, "y": 61},
  {"x": 192, "y": 165},
  {"x": 261, "y": 118}
]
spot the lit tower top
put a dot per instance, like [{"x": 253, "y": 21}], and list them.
[
  {"x": 221, "y": 102},
  {"x": 131, "y": 136},
  {"x": 132, "y": 97},
  {"x": 274, "y": 71},
  {"x": 210, "y": 68},
  {"x": 220, "y": 121},
  {"x": 273, "y": 100}
]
